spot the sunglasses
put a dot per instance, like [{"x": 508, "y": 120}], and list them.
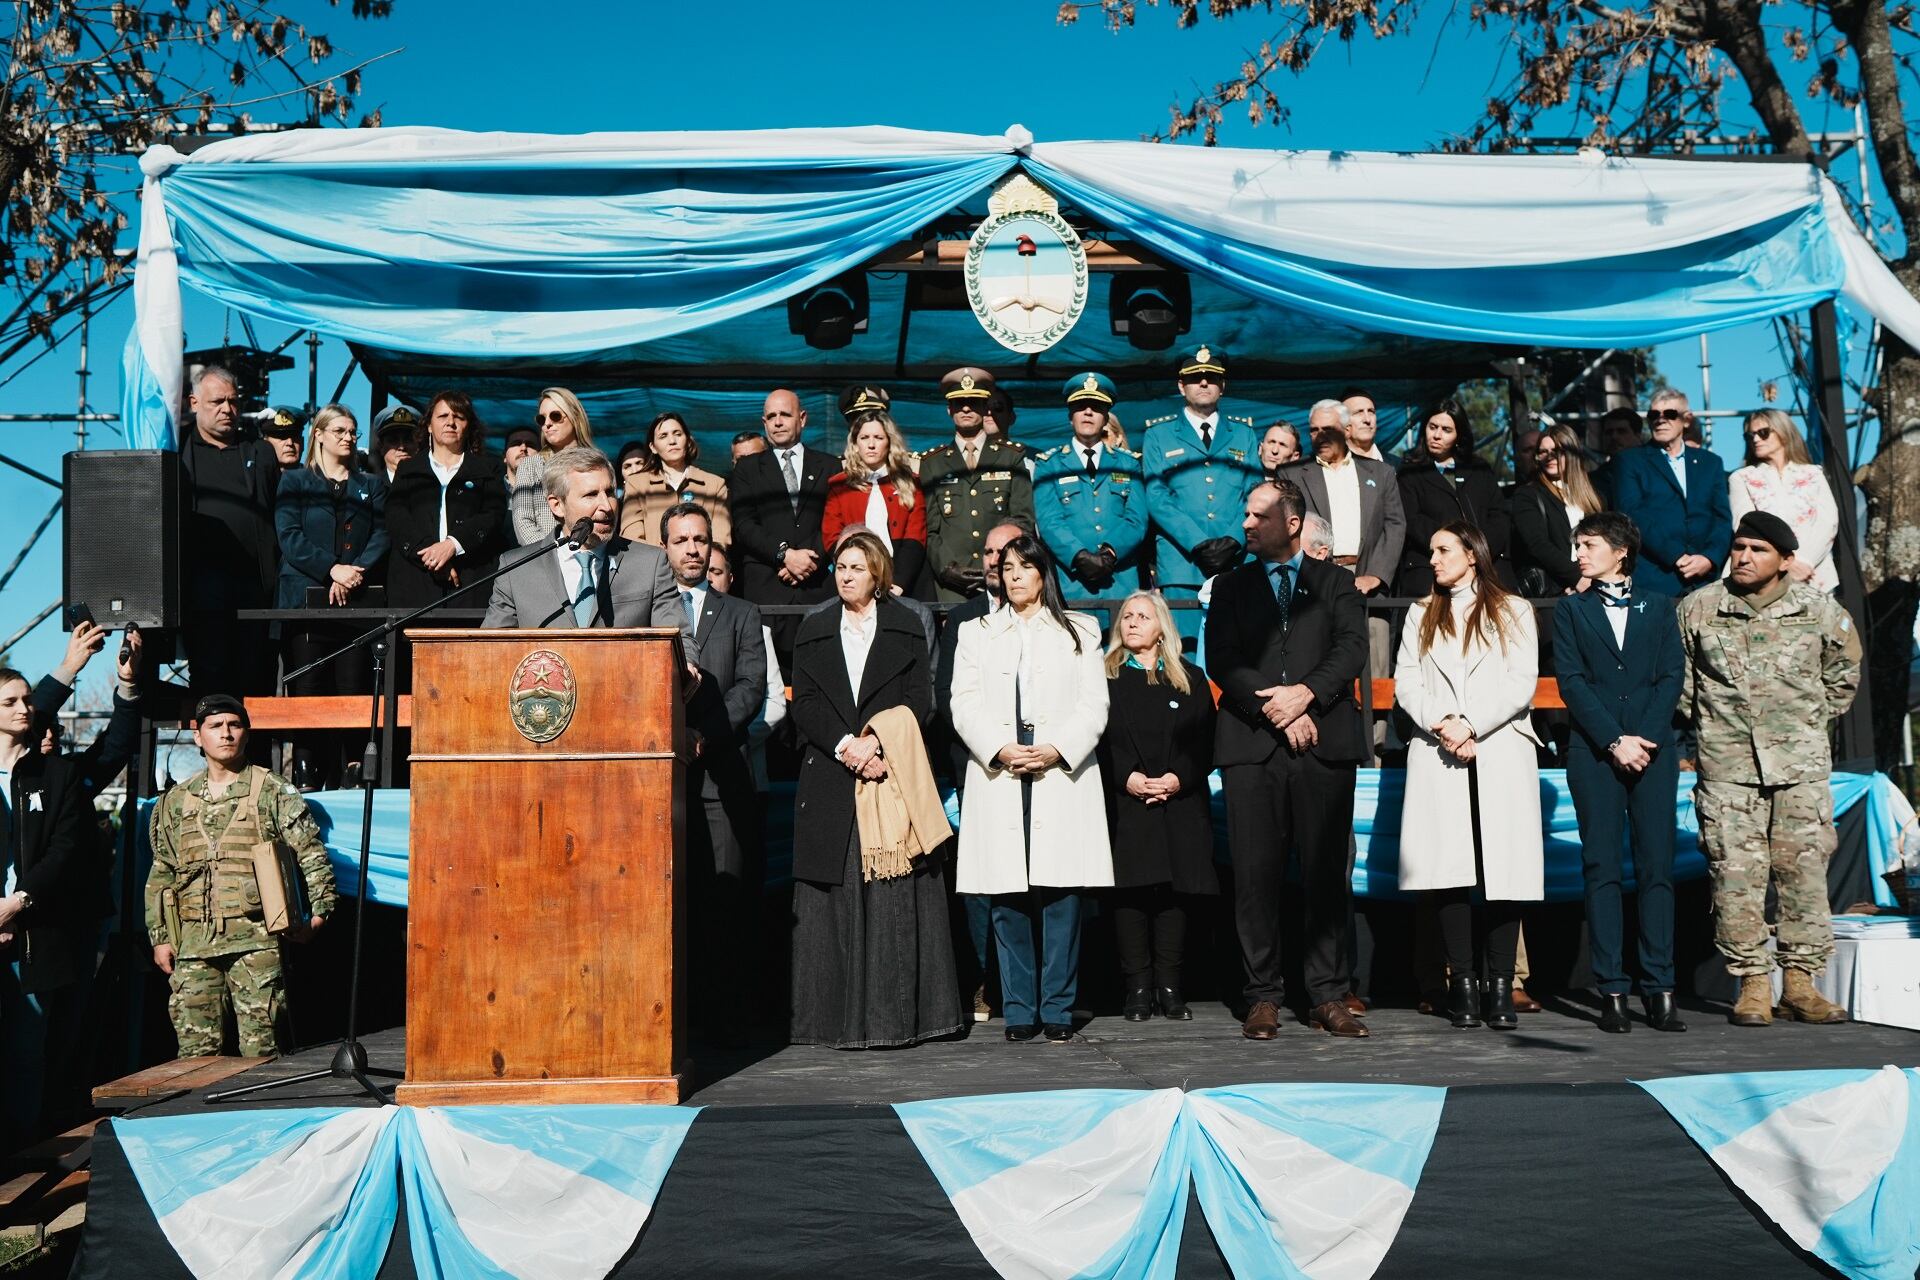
[
  {"x": 1665, "y": 415},
  {"x": 1211, "y": 379},
  {"x": 553, "y": 419},
  {"x": 1546, "y": 453},
  {"x": 1760, "y": 433}
]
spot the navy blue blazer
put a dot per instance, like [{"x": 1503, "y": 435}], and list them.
[
  {"x": 1670, "y": 525},
  {"x": 1612, "y": 689},
  {"x": 307, "y": 518}
]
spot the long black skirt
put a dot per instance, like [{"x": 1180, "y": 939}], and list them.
[{"x": 873, "y": 960}]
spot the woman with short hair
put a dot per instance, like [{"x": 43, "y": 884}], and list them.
[
  {"x": 1029, "y": 701},
  {"x": 446, "y": 512},
  {"x": 1155, "y": 757},
  {"x": 1465, "y": 677},
  {"x": 872, "y": 955},
  {"x": 1781, "y": 479},
  {"x": 562, "y": 422},
  {"x": 667, "y": 477}
]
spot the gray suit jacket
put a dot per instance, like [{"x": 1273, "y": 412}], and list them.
[
  {"x": 1383, "y": 521},
  {"x": 637, "y": 591}
]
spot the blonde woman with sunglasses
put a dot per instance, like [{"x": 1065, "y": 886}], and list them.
[{"x": 1781, "y": 479}]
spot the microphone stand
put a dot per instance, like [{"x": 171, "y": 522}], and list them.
[{"x": 349, "y": 1055}]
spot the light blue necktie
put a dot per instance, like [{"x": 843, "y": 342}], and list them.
[
  {"x": 585, "y": 602},
  {"x": 686, "y": 602}
]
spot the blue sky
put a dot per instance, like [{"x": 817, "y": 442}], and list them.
[{"x": 753, "y": 64}]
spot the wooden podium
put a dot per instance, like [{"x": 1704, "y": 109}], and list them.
[{"x": 545, "y": 878}]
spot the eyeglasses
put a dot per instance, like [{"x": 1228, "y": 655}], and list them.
[
  {"x": 1760, "y": 433},
  {"x": 553, "y": 419},
  {"x": 1665, "y": 415},
  {"x": 343, "y": 433}
]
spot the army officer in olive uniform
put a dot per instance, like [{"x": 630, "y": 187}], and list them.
[
  {"x": 971, "y": 485},
  {"x": 1200, "y": 465},
  {"x": 1090, "y": 499}
]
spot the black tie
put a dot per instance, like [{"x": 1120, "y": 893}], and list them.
[
  {"x": 1206, "y": 435},
  {"x": 1091, "y": 469}
]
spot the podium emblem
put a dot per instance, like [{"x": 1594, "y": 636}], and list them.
[{"x": 541, "y": 696}]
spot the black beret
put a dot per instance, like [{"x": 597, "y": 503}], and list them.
[
  {"x": 1768, "y": 528},
  {"x": 218, "y": 703}
]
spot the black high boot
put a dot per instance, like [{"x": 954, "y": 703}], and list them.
[
  {"x": 1501, "y": 1015},
  {"x": 1463, "y": 1000}
]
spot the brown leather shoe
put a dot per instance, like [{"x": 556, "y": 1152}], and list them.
[
  {"x": 1263, "y": 1021},
  {"x": 1355, "y": 1005},
  {"x": 1522, "y": 1002},
  {"x": 1338, "y": 1020}
]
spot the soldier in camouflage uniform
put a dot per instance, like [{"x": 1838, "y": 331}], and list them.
[
  {"x": 1770, "y": 663},
  {"x": 202, "y": 900}
]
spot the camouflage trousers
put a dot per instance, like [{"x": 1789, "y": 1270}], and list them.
[
  {"x": 1751, "y": 835},
  {"x": 203, "y": 989}
]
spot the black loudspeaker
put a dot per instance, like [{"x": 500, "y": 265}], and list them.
[{"x": 121, "y": 536}]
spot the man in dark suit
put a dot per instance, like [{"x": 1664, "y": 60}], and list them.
[
  {"x": 1677, "y": 497},
  {"x": 779, "y": 496},
  {"x": 606, "y": 581},
  {"x": 724, "y": 828},
  {"x": 1286, "y": 639},
  {"x": 1363, "y": 430},
  {"x": 1616, "y": 649}
]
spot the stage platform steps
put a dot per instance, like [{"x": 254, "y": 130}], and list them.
[{"x": 43, "y": 1201}]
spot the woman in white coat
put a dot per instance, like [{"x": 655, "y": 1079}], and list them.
[
  {"x": 1469, "y": 660},
  {"x": 1030, "y": 703}
]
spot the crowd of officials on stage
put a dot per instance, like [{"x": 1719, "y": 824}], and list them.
[{"x": 1081, "y": 740}]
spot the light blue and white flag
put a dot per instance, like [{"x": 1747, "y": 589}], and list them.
[
  {"x": 1076, "y": 1184},
  {"x": 1832, "y": 1157},
  {"x": 534, "y": 1193},
  {"x": 282, "y": 1194},
  {"x": 1309, "y": 1182}
]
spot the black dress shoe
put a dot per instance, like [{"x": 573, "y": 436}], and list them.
[
  {"x": 1463, "y": 999},
  {"x": 1139, "y": 1004},
  {"x": 1058, "y": 1032},
  {"x": 1501, "y": 1015},
  {"x": 1613, "y": 1014},
  {"x": 1022, "y": 1034},
  {"x": 1662, "y": 1013},
  {"x": 1173, "y": 1005}
]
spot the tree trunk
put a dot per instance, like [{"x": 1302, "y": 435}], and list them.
[{"x": 1899, "y": 390}]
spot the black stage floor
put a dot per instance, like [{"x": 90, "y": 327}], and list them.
[{"x": 1560, "y": 1046}]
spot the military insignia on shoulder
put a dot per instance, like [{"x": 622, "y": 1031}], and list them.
[
  {"x": 541, "y": 696},
  {"x": 1244, "y": 419},
  {"x": 1131, "y": 453},
  {"x": 1154, "y": 422},
  {"x": 1047, "y": 454}
]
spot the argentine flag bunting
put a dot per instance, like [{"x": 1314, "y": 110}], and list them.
[
  {"x": 1078, "y": 1184},
  {"x": 1312, "y": 1181},
  {"x": 533, "y": 1193},
  {"x": 1832, "y": 1157},
  {"x": 282, "y": 1194}
]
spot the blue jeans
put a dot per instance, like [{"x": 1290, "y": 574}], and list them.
[{"x": 1041, "y": 993}]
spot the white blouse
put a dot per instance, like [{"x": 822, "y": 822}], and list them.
[{"x": 1801, "y": 496}]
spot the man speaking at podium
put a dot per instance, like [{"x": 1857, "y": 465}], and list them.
[{"x": 592, "y": 578}]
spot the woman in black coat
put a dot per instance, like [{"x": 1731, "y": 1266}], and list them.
[
  {"x": 872, "y": 959},
  {"x": 1442, "y": 480},
  {"x": 1545, "y": 510},
  {"x": 54, "y": 896},
  {"x": 1156, "y": 754},
  {"x": 332, "y": 520},
  {"x": 449, "y": 465}
]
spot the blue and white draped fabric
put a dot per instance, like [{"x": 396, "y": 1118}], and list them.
[
  {"x": 282, "y": 1194},
  {"x": 454, "y": 244},
  {"x": 1832, "y": 1157},
  {"x": 534, "y": 1193},
  {"x": 1078, "y": 1183},
  {"x": 1309, "y": 1182}
]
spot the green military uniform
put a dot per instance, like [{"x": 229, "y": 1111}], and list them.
[
  {"x": 1765, "y": 678},
  {"x": 964, "y": 502},
  {"x": 202, "y": 899}
]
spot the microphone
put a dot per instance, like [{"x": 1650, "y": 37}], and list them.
[{"x": 581, "y": 531}]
